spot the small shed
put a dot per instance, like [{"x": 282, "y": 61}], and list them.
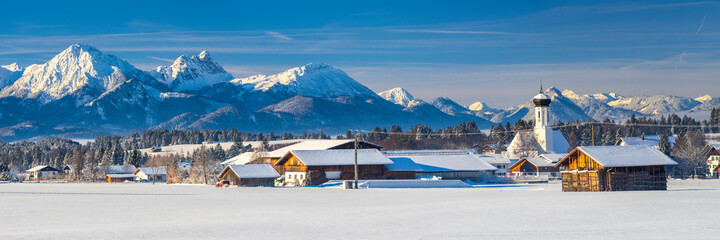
[
  {"x": 614, "y": 168},
  {"x": 43, "y": 172},
  {"x": 250, "y": 175},
  {"x": 119, "y": 177},
  {"x": 154, "y": 174}
]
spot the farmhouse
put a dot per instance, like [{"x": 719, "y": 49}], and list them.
[
  {"x": 119, "y": 177},
  {"x": 446, "y": 164},
  {"x": 314, "y": 167},
  {"x": 499, "y": 161},
  {"x": 250, "y": 175},
  {"x": 154, "y": 174},
  {"x": 41, "y": 172},
  {"x": 614, "y": 168},
  {"x": 710, "y": 152}
]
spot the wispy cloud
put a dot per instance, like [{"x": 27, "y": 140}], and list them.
[
  {"x": 448, "y": 31},
  {"x": 161, "y": 59},
  {"x": 278, "y": 35},
  {"x": 702, "y": 23}
]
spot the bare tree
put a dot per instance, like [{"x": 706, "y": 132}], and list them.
[
  {"x": 523, "y": 145},
  {"x": 688, "y": 151}
]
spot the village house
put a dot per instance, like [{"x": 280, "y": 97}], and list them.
[
  {"x": 542, "y": 166},
  {"x": 542, "y": 139},
  {"x": 42, "y": 172},
  {"x": 710, "y": 152},
  {"x": 151, "y": 174},
  {"x": 69, "y": 171},
  {"x": 445, "y": 164},
  {"x": 614, "y": 168},
  {"x": 499, "y": 161},
  {"x": 490, "y": 149},
  {"x": 249, "y": 175},
  {"x": 314, "y": 167}
]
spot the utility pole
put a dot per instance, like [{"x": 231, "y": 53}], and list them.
[
  {"x": 592, "y": 129},
  {"x": 356, "y": 165}
]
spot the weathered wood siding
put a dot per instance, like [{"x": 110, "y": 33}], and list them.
[{"x": 583, "y": 174}]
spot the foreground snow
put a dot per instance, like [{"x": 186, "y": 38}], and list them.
[{"x": 541, "y": 211}]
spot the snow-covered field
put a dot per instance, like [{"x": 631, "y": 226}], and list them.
[{"x": 537, "y": 211}]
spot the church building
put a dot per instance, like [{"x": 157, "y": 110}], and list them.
[{"x": 542, "y": 139}]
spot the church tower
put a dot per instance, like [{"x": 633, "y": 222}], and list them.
[{"x": 543, "y": 133}]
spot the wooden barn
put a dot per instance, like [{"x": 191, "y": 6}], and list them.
[
  {"x": 250, "y": 175},
  {"x": 119, "y": 177},
  {"x": 314, "y": 167},
  {"x": 614, "y": 168}
]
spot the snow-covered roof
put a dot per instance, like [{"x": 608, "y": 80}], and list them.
[
  {"x": 151, "y": 170},
  {"x": 242, "y": 158},
  {"x": 443, "y": 160},
  {"x": 525, "y": 141},
  {"x": 402, "y": 164},
  {"x": 553, "y": 157},
  {"x": 338, "y": 157},
  {"x": 41, "y": 168},
  {"x": 120, "y": 169},
  {"x": 494, "y": 158},
  {"x": 625, "y": 156},
  {"x": 540, "y": 162},
  {"x": 541, "y": 96},
  {"x": 560, "y": 144},
  {"x": 319, "y": 144},
  {"x": 254, "y": 171},
  {"x": 650, "y": 140},
  {"x": 120, "y": 175}
]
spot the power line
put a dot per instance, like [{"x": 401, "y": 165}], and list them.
[{"x": 531, "y": 129}]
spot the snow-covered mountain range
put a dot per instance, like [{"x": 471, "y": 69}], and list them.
[
  {"x": 83, "y": 92},
  {"x": 570, "y": 106}
]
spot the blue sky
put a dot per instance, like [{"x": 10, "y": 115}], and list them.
[{"x": 492, "y": 51}]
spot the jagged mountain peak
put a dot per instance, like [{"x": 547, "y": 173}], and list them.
[
  {"x": 78, "y": 67},
  {"x": 704, "y": 99},
  {"x": 398, "y": 96},
  {"x": 191, "y": 72},
  {"x": 480, "y": 106},
  {"x": 14, "y": 67},
  {"x": 314, "y": 79}
]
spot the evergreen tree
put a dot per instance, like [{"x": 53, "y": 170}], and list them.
[
  {"x": 237, "y": 148},
  {"x": 664, "y": 145}
]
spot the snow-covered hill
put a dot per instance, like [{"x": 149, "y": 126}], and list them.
[
  {"x": 399, "y": 96},
  {"x": 9, "y": 73}
]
